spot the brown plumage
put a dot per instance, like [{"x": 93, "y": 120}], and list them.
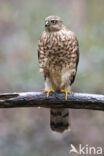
[{"x": 58, "y": 54}]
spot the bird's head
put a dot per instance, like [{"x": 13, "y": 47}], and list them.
[{"x": 53, "y": 23}]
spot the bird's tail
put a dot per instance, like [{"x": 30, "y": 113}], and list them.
[{"x": 59, "y": 119}]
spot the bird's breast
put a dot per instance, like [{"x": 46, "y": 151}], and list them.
[{"x": 58, "y": 51}]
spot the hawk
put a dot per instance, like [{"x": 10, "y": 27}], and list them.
[{"x": 58, "y": 54}]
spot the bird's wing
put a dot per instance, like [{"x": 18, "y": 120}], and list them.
[{"x": 74, "y": 45}]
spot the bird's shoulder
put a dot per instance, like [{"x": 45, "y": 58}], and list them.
[
  {"x": 43, "y": 36},
  {"x": 69, "y": 33}
]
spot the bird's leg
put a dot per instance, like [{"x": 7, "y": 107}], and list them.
[
  {"x": 67, "y": 90},
  {"x": 48, "y": 87}
]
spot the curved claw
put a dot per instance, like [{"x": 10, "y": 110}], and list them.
[
  {"x": 66, "y": 91},
  {"x": 48, "y": 91}
]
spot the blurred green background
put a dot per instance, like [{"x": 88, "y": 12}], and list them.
[{"x": 25, "y": 131}]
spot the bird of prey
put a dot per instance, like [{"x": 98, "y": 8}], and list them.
[{"x": 58, "y": 54}]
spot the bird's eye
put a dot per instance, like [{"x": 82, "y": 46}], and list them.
[{"x": 53, "y": 21}]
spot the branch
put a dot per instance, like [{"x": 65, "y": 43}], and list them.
[{"x": 55, "y": 100}]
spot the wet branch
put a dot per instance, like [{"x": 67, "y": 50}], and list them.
[{"x": 55, "y": 100}]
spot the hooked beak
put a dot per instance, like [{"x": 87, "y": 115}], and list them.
[{"x": 46, "y": 23}]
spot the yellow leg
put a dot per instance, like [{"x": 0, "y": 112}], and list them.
[
  {"x": 49, "y": 88},
  {"x": 48, "y": 91},
  {"x": 66, "y": 91}
]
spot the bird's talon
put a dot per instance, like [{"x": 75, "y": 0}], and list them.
[
  {"x": 48, "y": 91},
  {"x": 66, "y": 91}
]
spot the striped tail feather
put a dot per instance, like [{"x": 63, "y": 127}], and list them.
[{"x": 59, "y": 119}]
